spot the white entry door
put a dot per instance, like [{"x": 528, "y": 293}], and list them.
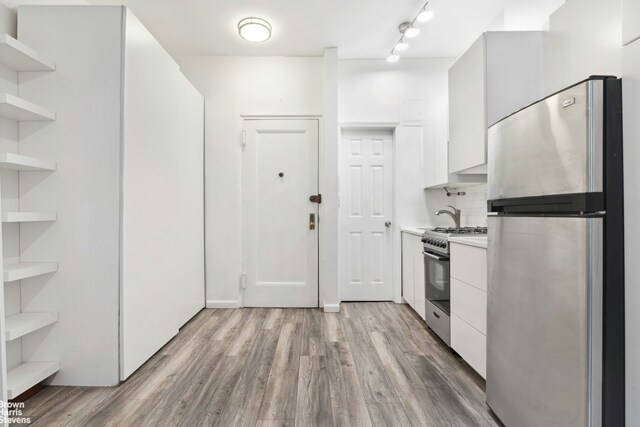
[
  {"x": 280, "y": 223},
  {"x": 366, "y": 204}
]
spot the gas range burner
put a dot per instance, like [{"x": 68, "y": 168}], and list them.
[{"x": 461, "y": 230}]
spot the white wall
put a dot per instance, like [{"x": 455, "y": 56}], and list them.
[
  {"x": 631, "y": 109},
  {"x": 527, "y": 15},
  {"x": 235, "y": 86},
  {"x": 584, "y": 39}
]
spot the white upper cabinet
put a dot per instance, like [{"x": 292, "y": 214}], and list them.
[
  {"x": 630, "y": 21},
  {"x": 499, "y": 74}
]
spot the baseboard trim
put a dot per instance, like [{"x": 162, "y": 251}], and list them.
[
  {"x": 332, "y": 308},
  {"x": 212, "y": 303}
]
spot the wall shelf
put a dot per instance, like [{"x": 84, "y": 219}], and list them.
[
  {"x": 19, "y": 109},
  {"x": 22, "y": 324},
  {"x": 28, "y": 216},
  {"x": 24, "y": 270},
  {"x": 20, "y": 57},
  {"x": 26, "y": 375},
  {"x": 19, "y": 162}
]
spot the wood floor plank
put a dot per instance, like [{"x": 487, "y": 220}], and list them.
[
  {"x": 313, "y": 333},
  {"x": 245, "y": 400},
  {"x": 213, "y": 397},
  {"x": 347, "y": 399},
  {"x": 333, "y": 328},
  {"x": 273, "y": 319},
  {"x": 70, "y": 407},
  {"x": 275, "y": 423},
  {"x": 313, "y": 398},
  {"x": 279, "y": 402},
  {"x": 374, "y": 380},
  {"x": 388, "y": 415}
]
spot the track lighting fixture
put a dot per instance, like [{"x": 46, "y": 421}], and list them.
[{"x": 409, "y": 30}]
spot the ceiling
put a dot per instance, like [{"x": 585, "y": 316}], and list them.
[{"x": 359, "y": 28}]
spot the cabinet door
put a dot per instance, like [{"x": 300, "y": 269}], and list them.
[
  {"x": 418, "y": 277},
  {"x": 469, "y": 264},
  {"x": 467, "y": 114},
  {"x": 469, "y": 343},
  {"x": 407, "y": 269}
]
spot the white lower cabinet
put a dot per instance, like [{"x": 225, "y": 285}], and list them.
[
  {"x": 407, "y": 269},
  {"x": 470, "y": 344},
  {"x": 413, "y": 286},
  {"x": 469, "y": 304}
]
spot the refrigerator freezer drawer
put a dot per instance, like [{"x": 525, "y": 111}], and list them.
[
  {"x": 553, "y": 147},
  {"x": 544, "y": 325}
]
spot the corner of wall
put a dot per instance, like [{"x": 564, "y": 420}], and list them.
[{"x": 8, "y": 21}]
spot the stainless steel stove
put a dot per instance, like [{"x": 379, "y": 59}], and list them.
[
  {"x": 436, "y": 270},
  {"x": 437, "y": 239}
]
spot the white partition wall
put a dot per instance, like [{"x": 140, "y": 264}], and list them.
[
  {"x": 162, "y": 206},
  {"x": 128, "y": 141}
]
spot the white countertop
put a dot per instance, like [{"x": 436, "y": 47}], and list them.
[
  {"x": 478, "y": 241},
  {"x": 414, "y": 230}
]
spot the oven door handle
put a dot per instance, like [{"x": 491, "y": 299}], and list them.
[{"x": 436, "y": 257}]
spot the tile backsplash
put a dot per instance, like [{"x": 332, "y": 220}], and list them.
[{"x": 473, "y": 206}]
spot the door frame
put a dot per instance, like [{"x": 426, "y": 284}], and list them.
[
  {"x": 395, "y": 229},
  {"x": 321, "y": 230}
]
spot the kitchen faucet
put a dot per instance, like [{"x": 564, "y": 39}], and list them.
[{"x": 455, "y": 214}]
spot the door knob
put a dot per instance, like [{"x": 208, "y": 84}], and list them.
[{"x": 387, "y": 224}]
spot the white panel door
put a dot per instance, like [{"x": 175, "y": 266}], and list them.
[
  {"x": 280, "y": 223},
  {"x": 366, "y": 203}
]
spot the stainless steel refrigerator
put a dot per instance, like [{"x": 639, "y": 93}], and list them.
[{"x": 555, "y": 331}]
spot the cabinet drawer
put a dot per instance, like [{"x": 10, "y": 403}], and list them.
[
  {"x": 470, "y": 344},
  {"x": 438, "y": 321},
  {"x": 469, "y": 304},
  {"x": 469, "y": 264}
]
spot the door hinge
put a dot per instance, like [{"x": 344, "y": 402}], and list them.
[
  {"x": 316, "y": 198},
  {"x": 243, "y": 138},
  {"x": 243, "y": 280}
]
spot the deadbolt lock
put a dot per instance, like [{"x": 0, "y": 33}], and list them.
[{"x": 316, "y": 198}]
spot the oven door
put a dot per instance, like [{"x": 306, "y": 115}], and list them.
[{"x": 436, "y": 276}]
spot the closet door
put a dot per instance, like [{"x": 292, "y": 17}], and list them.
[{"x": 162, "y": 267}]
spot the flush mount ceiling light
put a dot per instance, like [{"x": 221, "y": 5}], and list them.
[
  {"x": 254, "y": 30},
  {"x": 409, "y": 30}
]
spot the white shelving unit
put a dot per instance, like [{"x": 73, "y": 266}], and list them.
[
  {"x": 26, "y": 375},
  {"x": 25, "y": 270},
  {"x": 22, "y": 110},
  {"x": 20, "y": 57},
  {"x": 19, "y": 162},
  {"x": 22, "y": 324},
  {"x": 8, "y": 217},
  {"x": 23, "y": 373}
]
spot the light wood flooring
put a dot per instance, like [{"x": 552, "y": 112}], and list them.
[{"x": 372, "y": 364}]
